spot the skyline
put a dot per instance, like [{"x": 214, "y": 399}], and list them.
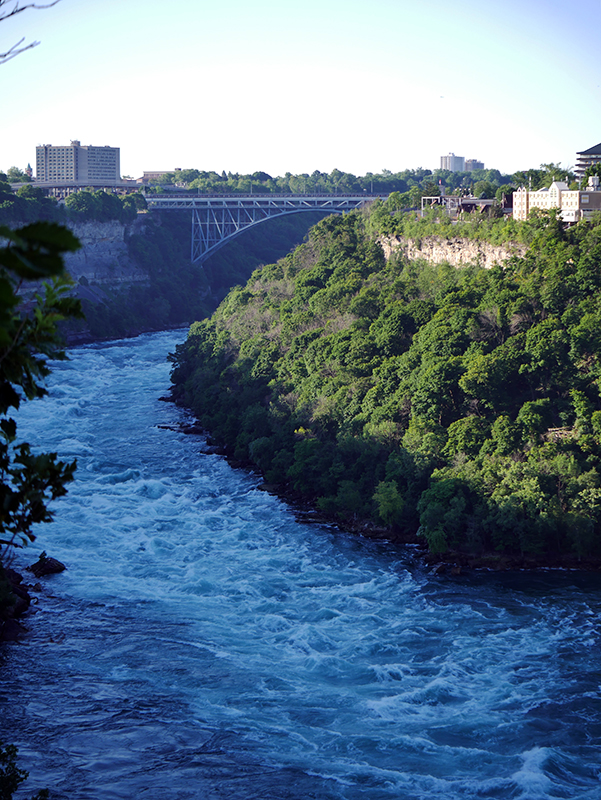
[{"x": 294, "y": 87}]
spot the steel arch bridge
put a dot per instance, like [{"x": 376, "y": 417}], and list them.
[{"x": 218, "y": 218}]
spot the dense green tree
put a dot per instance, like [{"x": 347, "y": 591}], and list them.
[
  {"x": 84, "y": 204},
  {"x": 464, "y": 402},
  {"x": 16, "y": 175},
  {"x": 103, "y": 206},
  {"x": 28, "y": 204},
  {"x": 594, "y": 169}
]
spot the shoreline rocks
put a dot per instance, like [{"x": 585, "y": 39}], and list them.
[
  {"x": 12, "y": 611},
  {"x": 46, "y": 566}
]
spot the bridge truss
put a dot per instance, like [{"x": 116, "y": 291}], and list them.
[{"x": 218, "y": 218}]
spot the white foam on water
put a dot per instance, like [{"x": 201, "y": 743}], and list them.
[
  {"x": 201, "y": 634},
  {"x": 531, "y": 778}
]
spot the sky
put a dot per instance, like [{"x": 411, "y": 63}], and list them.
[{"x": 302, "y": 85}]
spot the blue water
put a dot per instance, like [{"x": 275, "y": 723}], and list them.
[{"x": 205, "y": 644}]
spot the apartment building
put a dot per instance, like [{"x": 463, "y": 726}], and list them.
[
  {"x": 78, "y": 165},
  {"x": 574, "y": 204}
]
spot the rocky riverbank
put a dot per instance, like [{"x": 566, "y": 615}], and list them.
[{"x": 17, "y": 596}]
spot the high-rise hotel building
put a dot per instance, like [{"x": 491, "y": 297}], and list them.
[{"x": 78, "y": 165}]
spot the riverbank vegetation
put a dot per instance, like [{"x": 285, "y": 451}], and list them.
[
  {"x": 28, "y": 341},
  {"x": 462, "y": 405}
]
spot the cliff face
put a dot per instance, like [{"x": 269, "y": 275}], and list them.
[
  {"x": 103, "y": 257},
  {"x": 456, "y": 252}
]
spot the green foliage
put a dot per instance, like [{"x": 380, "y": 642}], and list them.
[
  {"x": 103, "y": 206},
  {"x": 11, "y": 777},
  {"x": 389, "y": 502},
  {"x": 463, "y": 402},
  {"x": 16, "y": 175},
  {"x": 28, "y": 204},
  {"x": 442, "y": 512},
  {"x": 28, "y": 339},
  {"x": 407, "y": 186}
]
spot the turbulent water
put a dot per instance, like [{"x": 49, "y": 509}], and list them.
[{"x": 204, "y": 644}]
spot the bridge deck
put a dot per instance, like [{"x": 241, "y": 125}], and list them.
[
  {"x": 278, "y": 200},
  {"x": 217, "y": 218}
]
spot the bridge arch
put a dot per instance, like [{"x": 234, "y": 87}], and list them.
[{"x": 216, "y": 219}]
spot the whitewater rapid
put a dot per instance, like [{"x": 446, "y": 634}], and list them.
[{"x": 204, "y": 644}]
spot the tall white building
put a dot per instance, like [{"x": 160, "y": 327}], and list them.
[
  {"x": 453, "y": 163},
  {"x": 77, "y": 165}
]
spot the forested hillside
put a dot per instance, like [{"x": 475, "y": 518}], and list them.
[{"x": 460, "y": 404}]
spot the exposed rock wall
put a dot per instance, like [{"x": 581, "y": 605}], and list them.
[
  {"x": 456, "y": 251},
  {"x": 103, "y": 257}
]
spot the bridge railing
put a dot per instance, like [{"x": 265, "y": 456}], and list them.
[{"x": 260, "y": 195}]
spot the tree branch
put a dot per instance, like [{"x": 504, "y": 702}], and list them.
[
  {"x": 17, "y": 9},
  {"x": 5, "y": 13},
  {"x": 15, "y": 50}
]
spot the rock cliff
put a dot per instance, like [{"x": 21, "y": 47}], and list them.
[
  {"x": 456, "y": 251},
  {"x": 103, "y": 257}
]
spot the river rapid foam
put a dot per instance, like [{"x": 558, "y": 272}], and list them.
[{"x": 205, "y": 644}]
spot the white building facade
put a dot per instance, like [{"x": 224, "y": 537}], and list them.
[
  {"x": 573, "y": 204},
  {"x": 453, "y": 163},
  {"x": 77, "y": 165}
]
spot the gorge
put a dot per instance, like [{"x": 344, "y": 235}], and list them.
[{"x": 205, "y": 642}]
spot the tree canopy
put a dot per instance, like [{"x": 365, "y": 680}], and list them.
[
  {"x": 411, "y": 184},
  {"x": 461, "y": 403}
]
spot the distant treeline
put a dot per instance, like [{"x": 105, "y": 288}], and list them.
[
  {"x": 30, "y": 204},
  {"x": 461, "y": 404},
  {"x": 412, "y": 183}
]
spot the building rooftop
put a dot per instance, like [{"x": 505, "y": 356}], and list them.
[{"x": 592, "y": 151}]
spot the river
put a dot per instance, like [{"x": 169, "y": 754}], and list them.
[{"x": 204, "y": 644}]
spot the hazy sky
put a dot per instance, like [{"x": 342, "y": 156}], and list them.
[{"x": 299, "y": 85}]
